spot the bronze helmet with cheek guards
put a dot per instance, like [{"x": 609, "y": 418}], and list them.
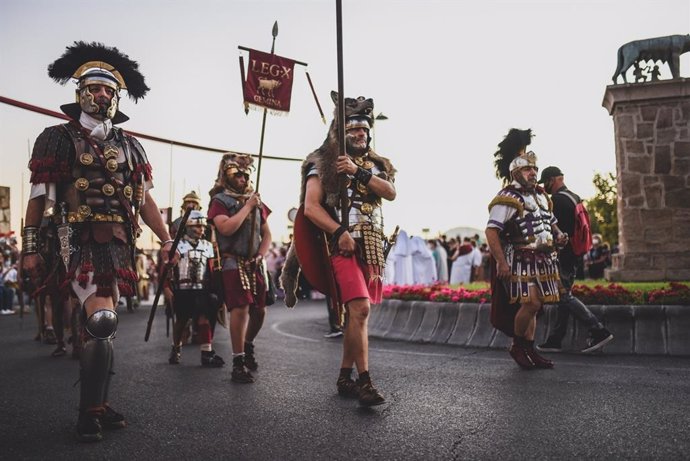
[
  {"x": 96, "y": 64},
  {"x": 97, "y": 76}
]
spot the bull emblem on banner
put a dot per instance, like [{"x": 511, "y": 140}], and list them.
[{"x": 266, "y": 86}]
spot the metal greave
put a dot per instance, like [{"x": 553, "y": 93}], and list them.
[{"x": 96, "y": 362}]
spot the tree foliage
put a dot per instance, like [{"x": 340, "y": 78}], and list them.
[{"x": 602, "y": 208}]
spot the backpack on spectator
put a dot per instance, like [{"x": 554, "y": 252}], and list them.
[{"x": 581, "y": 240}]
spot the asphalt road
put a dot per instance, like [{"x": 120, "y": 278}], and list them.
[{"x": 445, "y": 403}]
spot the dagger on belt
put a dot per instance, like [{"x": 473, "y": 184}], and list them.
[
  {"x": 390, "y": 242},
  {"x": 65, "y": 233}
]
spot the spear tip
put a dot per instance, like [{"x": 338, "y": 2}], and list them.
[{"x": 275, "y": 29}]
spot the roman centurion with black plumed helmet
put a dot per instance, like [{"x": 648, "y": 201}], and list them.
[
  {"x": 91, "y": 180},
  {"x": 522, "y": 234},
  {"x": 96, "y": 64}
]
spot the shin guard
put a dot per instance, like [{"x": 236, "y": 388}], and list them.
[{"x": 96, "y": 358}]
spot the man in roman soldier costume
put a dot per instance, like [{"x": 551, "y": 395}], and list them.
[
  {"x": 244, "y": 238},
  {"x": 522, "y": 235},
  {"x": 192, "y": 200},
  {"x": 192, "y": 297},
  {"x": 93, "y": 181},
  {"x": 356, "y": 250}
]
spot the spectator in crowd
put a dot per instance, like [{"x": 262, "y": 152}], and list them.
[
  {"x": 564, "y": 204},
  {"x": 151, "y": 270},
  {"x": 8, "y": 282},
  {"x": 440, "y": 260},
  {"x": 280, "y": 263},
  {"x": 476, "y": 261},
  {"x": 486, "y": 262},
  {"x": 143, "y": 283},
  {"x": 443, "y": 241},
  {"x": 598, "y": 258},
  {"x": 461, "y": 270},
  {"x": 272, "y": 258}
]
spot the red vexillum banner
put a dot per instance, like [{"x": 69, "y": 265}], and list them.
[{"x": 269, "y": 81}]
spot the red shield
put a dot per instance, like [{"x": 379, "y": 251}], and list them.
[{"x": 312, "y": 252}]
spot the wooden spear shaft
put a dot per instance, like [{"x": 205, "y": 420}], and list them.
[{"x": 344, "y": 209}]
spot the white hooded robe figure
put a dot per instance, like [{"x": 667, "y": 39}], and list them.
[
  {"x": 389, "y": 270},
  {"x": 461, "y": 270},
  {"x": 403, "y": 260},
  {"x": 423, "y": 266}
]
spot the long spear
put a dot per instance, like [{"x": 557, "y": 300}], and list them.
[
  {"x": 344, "y": 209},
  {"x": 274, "y": 32},
  {"x": 164, "y": 270}
]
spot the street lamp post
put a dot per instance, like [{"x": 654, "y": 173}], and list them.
[{"x": 378, "y": 117}]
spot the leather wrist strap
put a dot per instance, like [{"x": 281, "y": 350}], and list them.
[
  {"x": 362, "y": 175},
  {"x": 336, "y": 235}
]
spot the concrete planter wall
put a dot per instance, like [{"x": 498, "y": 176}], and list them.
[{"x": 651, "y": 330}]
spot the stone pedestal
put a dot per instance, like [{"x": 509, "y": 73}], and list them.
[{"x": 652, "y": 131}]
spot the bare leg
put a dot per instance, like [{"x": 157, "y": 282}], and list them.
[
  {"x": 355, "y": 338},
  {"x": 526, "y": 317},
  {"x": 239, "y": 319},
  {"x": 47, "y": 311},
  {"x": 256, "y": 321}
]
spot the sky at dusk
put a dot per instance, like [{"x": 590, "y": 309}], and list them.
[{"x": 451, "y": 76}]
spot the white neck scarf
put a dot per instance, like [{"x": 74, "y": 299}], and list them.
[{"x": 100, "y": 129}]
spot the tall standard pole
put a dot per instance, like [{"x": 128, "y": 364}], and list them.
[
  {"x": 274, "y": 32},
  {"x": 344, "y": 209},
  {"x": 263, "y": 122}
]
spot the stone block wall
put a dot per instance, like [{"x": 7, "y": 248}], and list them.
[{"x": 652, "y": 132}]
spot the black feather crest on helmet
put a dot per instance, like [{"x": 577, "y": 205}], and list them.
[
  {"x": 514, "y": 142},
  {"x": 110, "y": 58}
]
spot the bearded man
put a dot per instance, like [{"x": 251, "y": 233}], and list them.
[
  {"x": 356, "y": 250},
  {"x": 93, "y": 181},
  {"x": 243, "y": 238},
  {"x": 522, "y": 235}
]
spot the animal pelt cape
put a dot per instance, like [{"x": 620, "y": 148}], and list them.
[{"x": 324, "y": 159}]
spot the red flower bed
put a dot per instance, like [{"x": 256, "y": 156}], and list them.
[
  {"x": 612, "y": 294},
  {"x": 436, "y": 292},
  {"x": 676, "y": 294}
]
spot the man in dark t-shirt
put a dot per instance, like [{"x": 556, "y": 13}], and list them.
[{"x": 564, "y": 202}]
